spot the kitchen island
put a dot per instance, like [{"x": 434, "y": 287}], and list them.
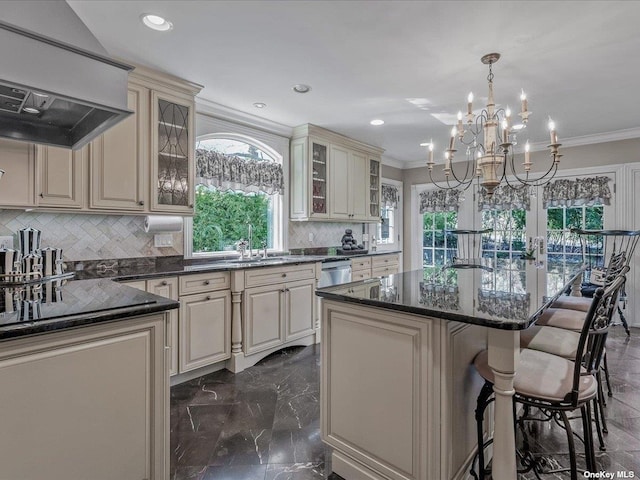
[
  {"x": 84, "y": 381},
  {"x": 398, "y": 388}
]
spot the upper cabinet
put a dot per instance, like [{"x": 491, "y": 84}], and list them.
[
  {"x": 172, "y": 160},
  {"x": 60, "y": 176},
  {"x": 330, "y": 177},
  {"x": 118, "y": 158},
  {"x": 17, "y": 159}
]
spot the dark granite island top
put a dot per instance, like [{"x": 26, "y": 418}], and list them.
[
  {"x": 492, "y": 295},
  {"x": 52, "y": 306}
]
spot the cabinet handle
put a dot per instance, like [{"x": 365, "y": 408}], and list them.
[
  {"x": 283, "y": 290},
  {"x": 286, "y": 289},
  {"x": 41, "y": 195},
  {"x": 163, "y": 283},
  {"x": 206, "y": 282},
  {"x": 141, "y": 203}
]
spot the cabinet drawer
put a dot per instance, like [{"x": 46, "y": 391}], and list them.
[
  {"x": 204, "y": 282},
  {"x": 139, "y": 284},
  {"x": 363, "y": 263},
  {"x": 270, "y": 276},
  {"x": 360, "y": 275},
  {"x": 382, "y": 271},
  {"x": 385, "y": 260}
]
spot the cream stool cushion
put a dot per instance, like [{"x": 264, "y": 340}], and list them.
[
  {"x": 562, "y": 318},
  {"x": 543, "y": 376},
  {"x": 556, "y": 341},
  {"x": 581, "y": 304}
]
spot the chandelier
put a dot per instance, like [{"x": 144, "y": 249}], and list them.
[{"x": 488, "y": 139}]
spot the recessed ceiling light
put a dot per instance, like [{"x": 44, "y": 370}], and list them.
[
  {"x": 377, "y": 121},
  {"x": 31, "y": 110},
  {"x": 301, "y": 88},
  {"x": 260, "y": 105},
  {"x": 156, "y": 22}
]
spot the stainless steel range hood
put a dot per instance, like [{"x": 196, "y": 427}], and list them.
[{"x": 52, "y": 91}]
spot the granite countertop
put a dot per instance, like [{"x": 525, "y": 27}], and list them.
[
  {"x": 154, "y": 267},
  {"x": 61, "y": 304},
  {"x": 491, "y": 295}
]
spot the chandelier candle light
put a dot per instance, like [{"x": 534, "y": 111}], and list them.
[{"x": 489, "y": 150}]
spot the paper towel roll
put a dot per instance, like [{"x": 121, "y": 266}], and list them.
[{"x": 160, "y": 223}]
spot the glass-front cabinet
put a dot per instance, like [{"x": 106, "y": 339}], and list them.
[
  {"x": 172, "y": 155},
  {"x": 319, "y": 177},
  {"x": 373, "y": 211}
]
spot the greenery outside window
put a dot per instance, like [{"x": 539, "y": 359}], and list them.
[
  {"x": 225, "y": 212},
  {"x": 437, "y": 247}
]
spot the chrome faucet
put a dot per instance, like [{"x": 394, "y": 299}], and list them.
[
  {"x": 264, "y": 252},
  {"x": 250, "y": 228}
]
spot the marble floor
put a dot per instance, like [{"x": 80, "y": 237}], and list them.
[{"x": 263, "y": 423}]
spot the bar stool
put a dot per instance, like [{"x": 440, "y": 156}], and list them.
[{"x": 555, "y": 384}]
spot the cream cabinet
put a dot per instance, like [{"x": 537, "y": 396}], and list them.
[
  {"x": 278, "y": 306},
  {"x": 205, "y": 329},
  {"x": 168, "y": 288},
  {"x": 330, "y": 176},
  {"x": 347, "y": 188},
  {"x": 172, "y": 153},
  {"x": 96, "y": 400},
  {"x": 118, "y": 159},
  {"x": 17, "y": 159},
  {"x": 364, "y": 267},
  {"x": 60, "y": 176},
  {"x": 374, "y": 189}
]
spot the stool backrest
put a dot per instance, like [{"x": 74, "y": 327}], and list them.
[
  {"x": 468, "y": 245},
  {"x": 595, "y": 329}
]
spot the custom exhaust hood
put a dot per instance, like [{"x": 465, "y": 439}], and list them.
[{"x": 57, "y": 84}]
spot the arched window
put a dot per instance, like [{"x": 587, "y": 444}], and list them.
[{"x": 239, "y": 187}]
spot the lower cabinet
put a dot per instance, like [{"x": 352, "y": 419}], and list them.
[
  {"x": 275, "y": 314},
  {"x": 168, "y": 288},
  {"x": 363, "y": 268},
  {"x": 87, "y": 403},
  {"x": 205, "y": 329}
]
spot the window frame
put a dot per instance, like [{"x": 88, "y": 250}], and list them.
[
  {"x": 398, "y": 227},
  {"x": 279, "y": 201}
]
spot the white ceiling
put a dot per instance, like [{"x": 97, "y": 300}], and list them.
[{"x": 578, "y": 61}]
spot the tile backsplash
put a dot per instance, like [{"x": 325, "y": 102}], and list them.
[
  {"x": 325, "y": 234},
  {"x": 90, "y": 237}
]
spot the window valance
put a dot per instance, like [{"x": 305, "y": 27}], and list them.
[
  {"x": 440, "y": 201},
  {"x": 226, "y": 172},
  {"x": 389, "y": 196},
  {"x": 505, "y": 197},
  {"x": 574, "y": 193}
]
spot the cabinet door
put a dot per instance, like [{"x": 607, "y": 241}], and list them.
[
  {"x": 118, "y": 159},
  {"x": 104, "y": 413},
  {"x": 340, "y": 185},
  {"x": 373, "y": 187},
  {"x": 168, "y": 288},
  {"x": 319, "y": 153},
  {"x": 358, "y": 186},
  {"x": 17, "y": 159},
  {"x": 172, "y": 154},
  {"x": 205, "y": 329},
  {"x": 263, "y": 318},
  {"x": 299, "y": 315},
  {"x": 60, "y": 176}
]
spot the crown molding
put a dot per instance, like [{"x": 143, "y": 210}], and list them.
[
  {"x": 213, "y": 109},
  {"x": 392, "y": 162}
]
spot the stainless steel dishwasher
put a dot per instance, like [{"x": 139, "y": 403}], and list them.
[{"x": 334, "y": 273}]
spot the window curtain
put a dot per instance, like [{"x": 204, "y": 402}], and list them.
[
  {"x": 440, "y": 201},
  {"x": 574, "y": 193},
  {"x": 389, "y": 196},
  {"x": 505, "y": 197},
  {"x": 226, "y": 172}
]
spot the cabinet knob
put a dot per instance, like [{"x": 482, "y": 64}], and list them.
[
  {"x": 284, "y": 275},
  {"x": 206, "y": 282},
  {"x": 163, "y": 283},
  {"x": 208, "y": 297},
  {"x": 191, "y": 205},
  {"x": 283, "y": 290},
  {"x": 141, "y": 203},
  {"x": 41, "y": 195}
]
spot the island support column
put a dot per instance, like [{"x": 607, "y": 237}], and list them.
[{"x": 504, "y": 356}]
